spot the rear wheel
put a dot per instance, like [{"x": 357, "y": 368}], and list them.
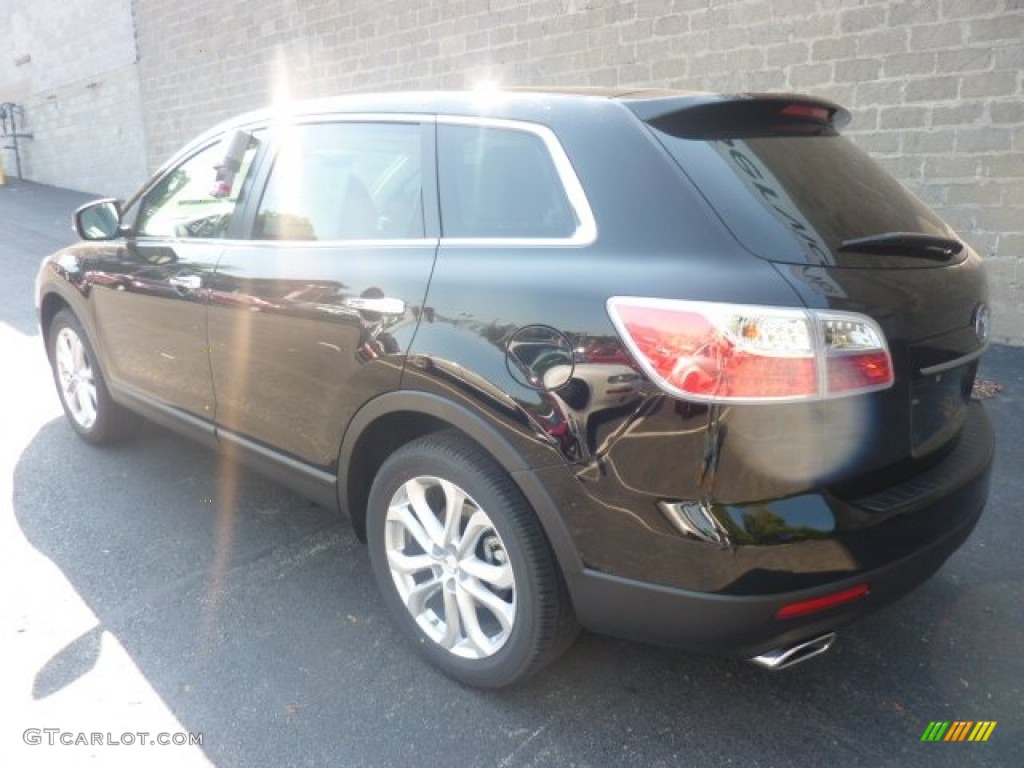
[
  {"x": 83, "y": 392},
  {"x": 464, "y": 565}
]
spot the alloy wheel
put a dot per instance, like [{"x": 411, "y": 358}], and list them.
[
  {"x": 450, "y": 567},
  {"x": 75, "y": 378}
]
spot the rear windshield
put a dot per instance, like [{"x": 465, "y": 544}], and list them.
[{"x": 796, "y": 199}]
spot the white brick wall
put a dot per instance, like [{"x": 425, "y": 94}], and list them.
[
  {"x": 79, "y": 90},
  {"x": 936, "y": 87}
]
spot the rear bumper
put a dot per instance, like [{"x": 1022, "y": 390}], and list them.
[
  {"x": 743, "y": 626},
  {"x": 893, "y": 556}
]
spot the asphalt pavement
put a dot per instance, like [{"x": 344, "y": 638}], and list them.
[{"x": 132, "y": 602}]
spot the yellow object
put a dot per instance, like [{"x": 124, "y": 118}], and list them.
[{"x": 3, "y": 177}]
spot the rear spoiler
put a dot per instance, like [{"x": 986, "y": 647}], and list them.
[{"x": 741, "y": 116}]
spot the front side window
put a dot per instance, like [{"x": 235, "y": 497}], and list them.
[
  {"x": 198, "y": 198},
  {"x": 345, "y": 181},
  {"x": 500, "y": 183}
]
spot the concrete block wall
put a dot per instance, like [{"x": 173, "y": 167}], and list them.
[
  {"x": 936, "y": 87},
  {"x": 71, "y": 66}
]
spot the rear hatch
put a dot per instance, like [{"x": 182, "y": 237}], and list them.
[{"x": 846, "y": 236}]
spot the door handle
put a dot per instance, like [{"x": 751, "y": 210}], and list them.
[
  {"x": 384, "y": 305},
  {"x": 191, "y": 282}
]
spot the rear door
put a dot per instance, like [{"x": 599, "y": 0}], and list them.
[{"x": 312, "y": 315}]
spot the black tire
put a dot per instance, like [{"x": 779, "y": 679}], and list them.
[
  {"x": 542, "y": 624},
  {"x": 101, "y": 420}
]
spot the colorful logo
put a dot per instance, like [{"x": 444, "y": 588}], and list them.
[{"x": 958, "y": 730}]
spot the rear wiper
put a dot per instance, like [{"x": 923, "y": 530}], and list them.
[{"x": 911, "y": 244}]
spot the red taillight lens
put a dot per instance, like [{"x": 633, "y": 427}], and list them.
[
  {"x": 697, "y": 350},
  {"x": 815, "y": 604},
  {"x": 865, "y": 370},
  {"x": 730, "y": 352},
  {"x": 856, "y": 355},
  {"x": 806, "y": 111}
]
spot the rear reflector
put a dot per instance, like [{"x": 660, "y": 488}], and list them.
[
  {"x": 741, "y": 353},
  {"x": 815, "y": 604}
]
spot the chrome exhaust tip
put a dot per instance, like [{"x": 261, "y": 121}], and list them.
[{"x": 783, "y": 658}]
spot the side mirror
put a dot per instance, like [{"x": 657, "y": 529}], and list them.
[{"x": 99, "y": 220}]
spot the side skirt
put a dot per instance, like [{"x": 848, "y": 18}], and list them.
[{"x": 316, "y": 484}]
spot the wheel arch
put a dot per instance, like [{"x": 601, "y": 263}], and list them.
[
  {"x": 393, "y": 419},
  {"x": 59, "y": 295},
  {"x": 52, "y": 303}
]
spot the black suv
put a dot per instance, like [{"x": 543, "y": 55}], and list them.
[{"x": 686, "y": 368}]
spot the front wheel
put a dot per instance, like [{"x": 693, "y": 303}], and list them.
[
  {"x": 464, "y": 565},
  {"x": 83, "y": 392}
]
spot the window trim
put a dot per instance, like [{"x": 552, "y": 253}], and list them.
[
  {"x": 586, "y": 229},
  {"x": 585, "y": 233}
]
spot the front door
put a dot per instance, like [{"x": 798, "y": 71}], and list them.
[{"x": 152, "y": 301}]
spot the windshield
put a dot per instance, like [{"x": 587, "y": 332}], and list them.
[{"x": 797, "y": 199}]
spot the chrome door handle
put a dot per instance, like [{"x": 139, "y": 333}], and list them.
[
  {"x": 384, "y": 305},
  {"x": 192, "y": 282}
]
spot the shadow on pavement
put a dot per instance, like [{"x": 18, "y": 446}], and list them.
[{"x": 260, "y": 626}]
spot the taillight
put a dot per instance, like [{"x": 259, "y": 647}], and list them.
[
  {"x": 807, "y": 112},
  {"x": 732, "y": 352}
]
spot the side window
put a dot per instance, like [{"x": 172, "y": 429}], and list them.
[
  {"x": 196, "y": 199},
  {"x": 499, "y": 182},
  {"x": 345, "y": 181}
]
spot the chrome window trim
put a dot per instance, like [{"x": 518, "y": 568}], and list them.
[
  {"x": 411, "y": 242},
  {"x": 586, "y": 230},
  {"x": 354, "y": 117}
]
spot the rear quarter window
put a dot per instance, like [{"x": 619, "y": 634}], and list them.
[{"x": 500, "y": 183}]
